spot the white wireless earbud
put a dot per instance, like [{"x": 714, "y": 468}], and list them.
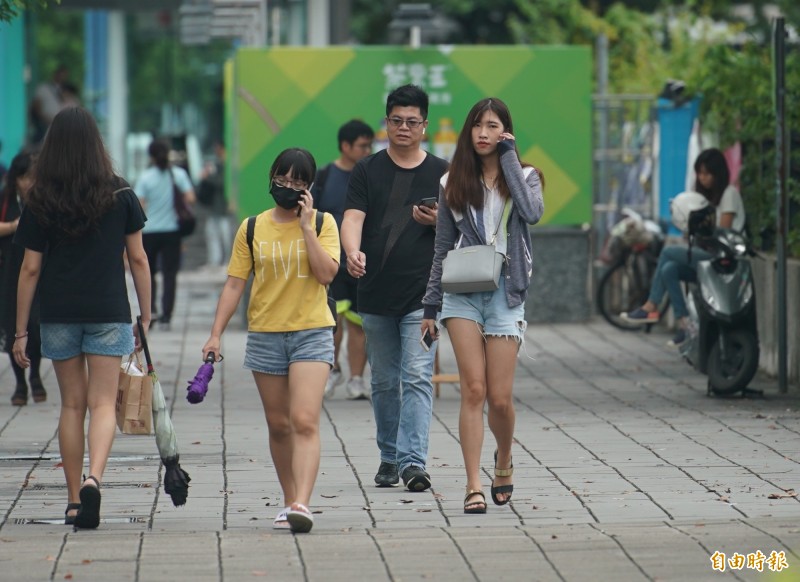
[{"x": 423, "y": 130}]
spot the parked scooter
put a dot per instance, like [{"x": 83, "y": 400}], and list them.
[{"x": 723, "y": 342}]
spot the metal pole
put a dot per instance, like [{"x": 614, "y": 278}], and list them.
[
  {"x": 601, "y": 107},
  {"x": 781, "y": 201}
]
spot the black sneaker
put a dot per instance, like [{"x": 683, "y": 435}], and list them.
[
  {"x": 416, "y": 479},
  {"x": 387, "y": 475}
]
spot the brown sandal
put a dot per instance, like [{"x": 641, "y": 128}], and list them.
[{"x": 474, "y": 506}]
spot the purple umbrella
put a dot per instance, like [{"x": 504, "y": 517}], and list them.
[{"x": 198, "y": 386}]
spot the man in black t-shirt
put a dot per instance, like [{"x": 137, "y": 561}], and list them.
[
  {"x": 388, "y": 236},
  {"x": 330, "y": 194}
]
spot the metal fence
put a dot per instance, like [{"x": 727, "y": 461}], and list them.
[{"x": 625, "y": 150}]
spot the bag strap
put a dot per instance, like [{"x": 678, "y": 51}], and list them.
[
  {"x": 319, "y": 185},
  {"x": 500, "y": 221},
  {"x": 251, "y": 233}
]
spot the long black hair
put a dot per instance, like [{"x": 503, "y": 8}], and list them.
[
  {"x": 713, "y": 161},
  {"x": 73, "y": 175},
  {"x": 20, "y": 166},
  {"x": 464, "y": 180}
]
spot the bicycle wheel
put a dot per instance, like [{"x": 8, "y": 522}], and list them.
[{"x": 621, "y": 289}]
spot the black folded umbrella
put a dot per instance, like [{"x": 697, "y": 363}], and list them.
[{"x": 176, "y": 480}]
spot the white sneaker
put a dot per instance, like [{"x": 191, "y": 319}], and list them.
[
  {"x": 356, "y": 390},
  {"x": 334, "y": 379}
]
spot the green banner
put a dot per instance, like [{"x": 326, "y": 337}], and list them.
[{"x": 298, "y": 97}]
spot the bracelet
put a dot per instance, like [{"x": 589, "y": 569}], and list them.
[{"x": 21, "y": 335}]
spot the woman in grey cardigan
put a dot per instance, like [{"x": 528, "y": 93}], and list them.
[{"x": 488, "y": 195}]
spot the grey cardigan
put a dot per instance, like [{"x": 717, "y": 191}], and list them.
[{"x": 527, "y": 208}]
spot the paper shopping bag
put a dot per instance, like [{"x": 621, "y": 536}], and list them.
[{"x": 134, "y": 398}]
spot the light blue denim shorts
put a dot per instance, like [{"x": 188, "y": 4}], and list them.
[
  {"x": 272, "y": 352},
  {"x": 489, "y": 309},
  {"x": 62, "y": 341}
]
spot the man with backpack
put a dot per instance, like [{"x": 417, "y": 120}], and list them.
[{"x": 330, "y": 193}]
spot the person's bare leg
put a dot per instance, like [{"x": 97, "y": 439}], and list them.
[
  {"x": 274, "y": 392},
  {"x": 73, "y": 385},
  {"x": 101, "y": 400},
  {"x": 306, "y": 387},
  {"x": 501, "y": 357},
  {"x": 337, "y": 340},
  {"x": 356, "y": 349},
  {"x": 468, "y": 346},
  {"x": 649, "y": 306}
]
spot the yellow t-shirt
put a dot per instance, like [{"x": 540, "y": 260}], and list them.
[{"x": 285, "y": 295}]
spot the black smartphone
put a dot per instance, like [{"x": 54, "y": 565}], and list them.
[
  {"x": 426, "y": 341},
  {"x": 429, "y": 202}
]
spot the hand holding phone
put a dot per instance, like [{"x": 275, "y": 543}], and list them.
[
  {"x": 429, "y": 202},
  {"x": 426, "y": 341}
]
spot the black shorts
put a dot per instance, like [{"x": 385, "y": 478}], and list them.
[{"x": 345, "y": 287}]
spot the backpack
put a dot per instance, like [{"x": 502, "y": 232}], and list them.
[{"x": 251, "y": 231}]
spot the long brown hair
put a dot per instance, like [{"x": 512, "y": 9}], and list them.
[
  {"x": 73, "y": 175},
  {"x": 464, "y": 180}
]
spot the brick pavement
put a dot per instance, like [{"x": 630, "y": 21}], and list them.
[{"x": 624, "y": 470}]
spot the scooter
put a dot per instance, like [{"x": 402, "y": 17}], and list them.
[{"x": 723, "y": 338}]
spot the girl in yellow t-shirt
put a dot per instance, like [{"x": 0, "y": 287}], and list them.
[{"x": 290, "y": 339}]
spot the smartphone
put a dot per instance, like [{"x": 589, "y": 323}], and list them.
[
  {"x": 426, "y": 341},
  {"x": 429, "y": 202}
]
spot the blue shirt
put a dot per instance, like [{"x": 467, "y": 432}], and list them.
[{"x": 154, "y": 188}]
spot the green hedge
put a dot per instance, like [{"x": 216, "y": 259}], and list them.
[{"x": 738, "y": 102}]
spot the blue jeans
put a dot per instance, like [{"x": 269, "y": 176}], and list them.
[
  {"x": 673, "y": 267},
  {"x": 402, "y": 393}
]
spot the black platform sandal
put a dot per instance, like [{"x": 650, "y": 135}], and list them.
[
  {"x": 476, "y": 505},
  {"x": 89, "y": 514},
  {"x": 502, "y": 489},
  {"x": 70, "y": 519}
]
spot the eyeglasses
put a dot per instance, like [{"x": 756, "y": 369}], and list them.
[
  {"x": 293, "y": 184},
  {"x": 399, "y": 121}
]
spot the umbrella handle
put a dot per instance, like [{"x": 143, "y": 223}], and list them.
[
  {"x": 144, "y": 343},
  {"x": 211, "y": 358}
]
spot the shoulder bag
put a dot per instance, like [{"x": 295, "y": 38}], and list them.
[
  {"x": 186, "y": 219},
  {"x": 475, "y": 268}
]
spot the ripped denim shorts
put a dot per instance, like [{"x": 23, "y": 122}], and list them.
[{"x": 489, "y": 309}]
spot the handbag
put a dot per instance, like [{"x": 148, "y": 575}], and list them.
[
  {"x": 186, "y": 219},
  {"x": 134, "y": 406},
  {"x": 473, "y": 269}
]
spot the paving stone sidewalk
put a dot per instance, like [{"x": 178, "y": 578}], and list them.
[{"x": 624, "y": 470}]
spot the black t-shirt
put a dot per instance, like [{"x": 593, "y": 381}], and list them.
[
  {"x": 399, "y": 249},
  {"x": 83, "y": 280}
]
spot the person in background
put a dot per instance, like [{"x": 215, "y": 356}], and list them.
[
  {"x": 162, "y": 241},
  {"x": 290, "y": 340},
  {"x": 78, "y": 220},
  {"x": 211, "y": 195},
  {"x": 12, "y": 199},
  {"x": 387, "y": 237},
  {"x": 48, "y": 100},
  {"x": 675, "y": 263},
  {"x": 487, "y": 197},
  {"x": 330, "y": 194}
]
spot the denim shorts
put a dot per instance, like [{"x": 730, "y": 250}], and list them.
[
  {"x": 62, "y": 341},
  {"x": 489, "y": 309},
  {"x": 272, "y": 352}
]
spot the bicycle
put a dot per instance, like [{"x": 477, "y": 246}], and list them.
[{"x": 632, "y": 253}]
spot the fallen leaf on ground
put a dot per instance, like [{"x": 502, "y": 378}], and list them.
[
  {"x": 329, "y": 496},
  {"x": 406, "y": 501},
  {"x": 789, "y": 493}
]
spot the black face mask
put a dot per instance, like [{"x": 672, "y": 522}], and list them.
[{"x": 285, "y": 197}]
